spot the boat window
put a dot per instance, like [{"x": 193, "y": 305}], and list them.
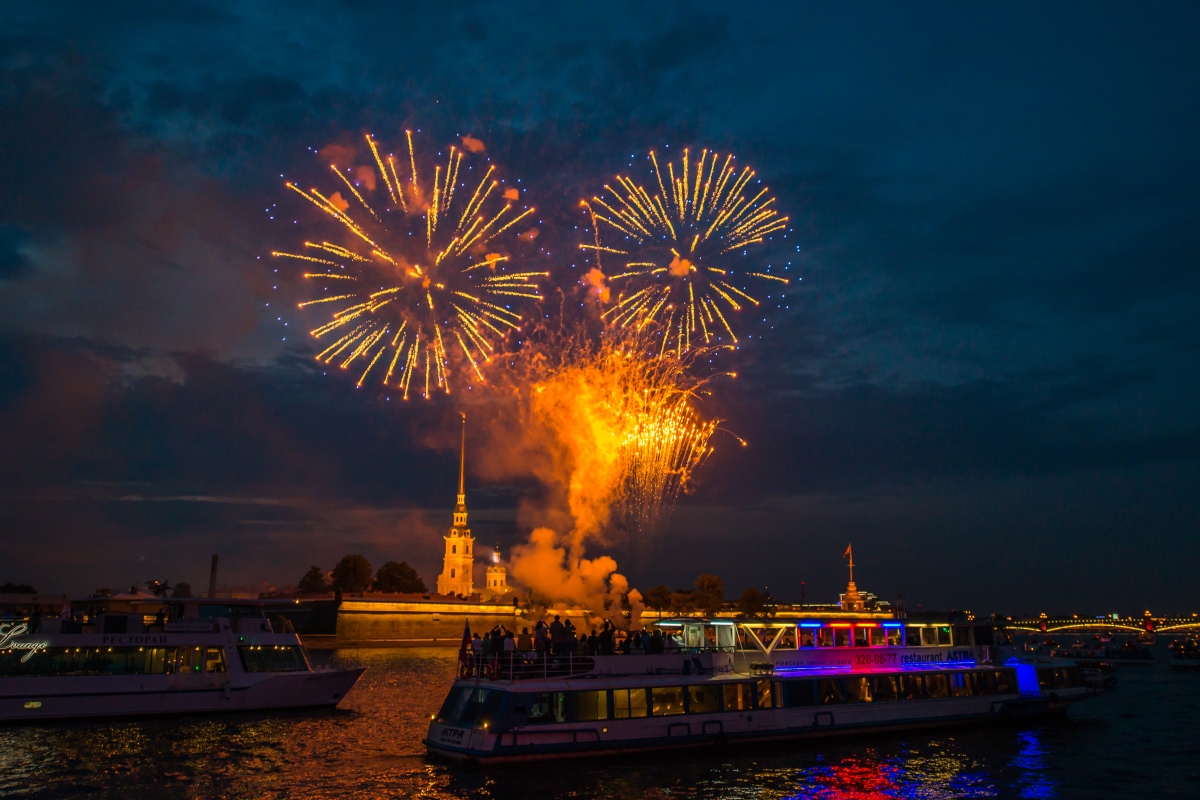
[
  {"x": 893, "y": 636},
  {"x": 912, "y": 636},
  {"x": 737, "y": 696},
  {"x": 858, "y": 689},
  {"x": 841, "y": 637},
  {"x": 480, "y": 706},
  {"x": 548, "y": 707},
  {"x": 983, "y": 636},
  {"x": 65, "y": 661},
  {"x": 912, "y": 687},
  {"x": 886, "y": 687},
  {"x": 962, "y": 636},
  {"x": 591, "y": 706},
  {"x": 447, "y": 709},
  {"x": 937, "y": 685},
  {"x": 629, "y": 703},
  {"x": 666, "y": 700},
  {"x": 214, "y": 660},
  {"x": 797, "y": 694},
  {"x": 806, "y": 638},
  {"x": 190, "y": 660},
  {"x": 960, "y": 684},
  {"x": 272, "y": 658},
  {"x": 704, "y": 699},
  {"x": 943, "y": 634},
  {"x": 928, "y": 637},
  {"x": 763, "y": 694},
  {"x": 1006, "y": 681},
  {"x": 825, "y": 637},
  {"x": 862, "y": 636},
  {"x": 829, "y": 691},
  {"x": 788, "y": 640},
  {"x": 983, "y": 683}
]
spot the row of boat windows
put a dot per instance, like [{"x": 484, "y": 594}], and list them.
[
  {"x": 863, "y": 635},
  {"x": 475, "y": 705},
  {"x": 73, "y": 661}
]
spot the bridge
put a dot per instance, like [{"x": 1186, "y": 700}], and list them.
[{"x": 1103, "y": 624}]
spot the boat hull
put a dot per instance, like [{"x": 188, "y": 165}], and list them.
[
  {"x": 608, "y": 739},
  {"x": 24, "y": 700}
]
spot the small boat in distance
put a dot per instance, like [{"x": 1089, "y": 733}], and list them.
[
  {"x": 159, "y": 656},
  {"x": 1185, "y": 654}
]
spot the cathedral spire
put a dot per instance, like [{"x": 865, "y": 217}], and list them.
[{"x": 462, "y": 456}]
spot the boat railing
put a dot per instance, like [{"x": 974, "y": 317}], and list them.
[{"x": 514, "y": 666}]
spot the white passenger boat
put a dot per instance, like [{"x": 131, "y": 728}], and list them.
[
  {"x": 739, "y": 680},
  {"x": 161, "y": 657}
]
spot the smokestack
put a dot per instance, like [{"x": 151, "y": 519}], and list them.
[{"x": 212, "y": 579}]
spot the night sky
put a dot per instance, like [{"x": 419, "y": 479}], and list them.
[{"x": 987, "y": 379}]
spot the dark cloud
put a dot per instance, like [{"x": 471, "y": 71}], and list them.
[{"x": 994, "y": 217}]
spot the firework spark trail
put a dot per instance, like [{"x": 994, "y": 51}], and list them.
[
  {"x": 673, "y": 248},
  {"x": 624, "y": 425},
  {"x": 410, "y": 291}
]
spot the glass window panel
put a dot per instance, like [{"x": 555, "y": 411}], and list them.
[
  {"x": 737, "y": 696},
  {"x": 1006, "y": 681},
  {"x": 629, "y": 703},
  {"x": 937, "y": 685},
  {"x": 214, "y": 660},
  {"x": 943, "y": 634},
  {"x": 877, "y": 637},
  {"x": 887, "y": 687},
  {"x": 666, "y": 700},
  {"x": 806, "y": 637},
  {"x": 841, "y": 637},
  {"x": 928, "y": 637},
  {"x": 912, "y": 687},
  {"x": 862, "y": 637},
  {"x": 893, "y": 636},
  {"x": 962, "y": 636},
  {"x": 764, "y": 694},
  {"x": 824, "y": 637},
  {"x": 591, "y": 706},
  {"x": 830, "y": 691},
  {"x": 858, "y": 689},
  {"x": 797, "y": 694},
  {"x": 960, "y": 684},
  {"x": 703, "y": 699},
  {"x": 983, "y": 683}
]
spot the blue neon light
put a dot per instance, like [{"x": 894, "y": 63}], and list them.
[
  {"x": 892, "y": 625},
  {"x": 810, "y": 624}
]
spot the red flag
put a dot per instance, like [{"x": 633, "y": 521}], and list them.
[{"x": 847, "y": 551}]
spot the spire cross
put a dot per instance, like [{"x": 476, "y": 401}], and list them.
[{"x": 849, "y": 552}]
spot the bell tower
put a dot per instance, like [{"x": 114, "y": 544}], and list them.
[{"x": 459, "y": 560}]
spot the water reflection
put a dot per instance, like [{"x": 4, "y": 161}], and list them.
[{"x": 371, "y": 747}]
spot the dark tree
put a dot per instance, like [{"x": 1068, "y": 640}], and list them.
[
  {"x": 352, "y": 574},
  {"x": 710, "y": 593},
  {"x": 17, "y": 588},
  {"x": 657, "y": 598},
  {"x": 313, "y": 582},
  {"x": 752, "y": 603},
  {"x": 182, "y": 589},
  {"x": 683, "y": 601},
  {"x": 399, "y": 578}
]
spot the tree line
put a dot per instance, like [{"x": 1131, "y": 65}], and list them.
[
  {"x": 354, "y": 574},
  {"x": 707, "y": 596}
]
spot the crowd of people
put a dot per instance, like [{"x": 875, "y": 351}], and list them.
[{"x": 561, "y": 638}]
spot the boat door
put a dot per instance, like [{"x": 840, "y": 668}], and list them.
[
  {"x": 189, "y": 668},
  {"x": 216, "y": 671}
]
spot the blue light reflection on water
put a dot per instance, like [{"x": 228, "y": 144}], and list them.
[{"x": 1141, "y": 740}]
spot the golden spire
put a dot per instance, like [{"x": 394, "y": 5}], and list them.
[
  {"x": 850, "y": 553},
  {"x": 462, "y": 455}
]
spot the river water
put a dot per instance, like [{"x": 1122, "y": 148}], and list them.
[{"x": 1140, "y": 740}]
